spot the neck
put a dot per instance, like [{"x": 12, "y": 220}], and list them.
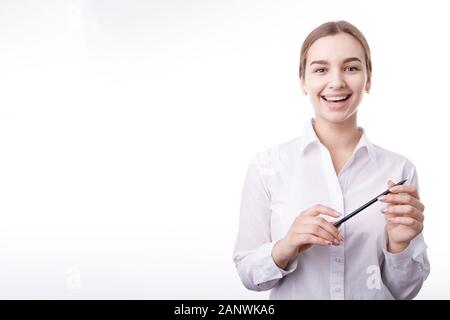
[{"x": 337, "y": 137}]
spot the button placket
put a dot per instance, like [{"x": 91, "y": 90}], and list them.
[
  {"x": 337, "y": 262},
  {"x": 337, "y": 252}
]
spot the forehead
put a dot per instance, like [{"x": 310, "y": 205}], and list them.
[{"x": 335, "y": 48}]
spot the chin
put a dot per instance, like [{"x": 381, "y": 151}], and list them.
[{"x": 334, "y": 117}]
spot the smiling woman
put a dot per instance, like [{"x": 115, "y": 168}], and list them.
[
  {"x": 295, "y": 191},
  {"x": 335, "y": 83}
]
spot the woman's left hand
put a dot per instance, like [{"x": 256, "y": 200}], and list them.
[{"x": 404, "y": 216}]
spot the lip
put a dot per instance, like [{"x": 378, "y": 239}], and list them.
[
  {"x": 337, "y": 94},
  {"x": 335, "y": 106}
]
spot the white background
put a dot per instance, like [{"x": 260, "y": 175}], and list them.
[{"x": 126, "y": 128}]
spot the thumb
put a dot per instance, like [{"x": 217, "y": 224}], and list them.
[{"x": 390, "y": 183}]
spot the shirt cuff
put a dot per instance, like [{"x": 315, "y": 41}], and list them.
[
  {"x": 268, "y": 269},
  {"x": 412, "y": 253},
  {"x": 401, "y": 259}
]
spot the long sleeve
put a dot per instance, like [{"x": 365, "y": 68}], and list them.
[
  {"x": 404, "y": 272},
  {"x": 253, "y": 249}
]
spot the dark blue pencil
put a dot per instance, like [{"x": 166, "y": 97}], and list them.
[{"x": 338, "y": 223}]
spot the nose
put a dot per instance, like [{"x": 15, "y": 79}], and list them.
[{"x": 336, "y": 81}]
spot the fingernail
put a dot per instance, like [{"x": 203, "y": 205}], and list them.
[
  {"x": 385, "y": 210},
  {"x": 382, "y": 198},
  {"x": 393, "y": 189}
]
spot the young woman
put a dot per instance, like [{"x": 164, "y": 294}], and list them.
[{"x": 293, "y": 192}]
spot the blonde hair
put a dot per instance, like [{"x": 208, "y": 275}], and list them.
[{"x": 329, "y": 29}]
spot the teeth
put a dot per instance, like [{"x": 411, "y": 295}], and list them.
[{"x": 335, "y": 98}]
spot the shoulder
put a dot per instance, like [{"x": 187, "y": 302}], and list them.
[
  {"x": 386, "y": 157},
  {"x": 270, "y": 160}
]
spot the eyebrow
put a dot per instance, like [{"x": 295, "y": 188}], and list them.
[{"x": 326, "y": 62}]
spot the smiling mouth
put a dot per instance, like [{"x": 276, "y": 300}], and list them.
[{"x": 336, "y": 99}]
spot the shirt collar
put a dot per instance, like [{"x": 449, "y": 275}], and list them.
[{"x": 309, "y": 137}]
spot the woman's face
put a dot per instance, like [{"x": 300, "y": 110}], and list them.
[{"x": 335, "y": 77}]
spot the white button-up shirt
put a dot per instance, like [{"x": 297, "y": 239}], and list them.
[{"x": 289, "y": 178}]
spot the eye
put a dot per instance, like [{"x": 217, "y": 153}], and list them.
[
  {"x": 319, "y": 70},
  {"x": 353, "y": 68}
]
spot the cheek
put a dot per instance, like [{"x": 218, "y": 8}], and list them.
[
  {"x": 316, "y": 86},
  {"x": 357, "y": 83}
]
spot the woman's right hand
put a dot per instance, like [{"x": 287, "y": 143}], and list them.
[{"x": 306, "y": 230}]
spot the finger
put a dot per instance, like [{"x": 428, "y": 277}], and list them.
[
  {"x": 321, "y": 209},
  {"x": 403, "y": 210},
  {"x": 318, "y": 231},
  {"x": 327, "y": 226},
  {"x": 311, "y": 239},
  {"x": 390, "y": 183},
  {"x": 402, "y": 199},
  {"x": 407, "y": 221},
  {"x": 406, "y": 188}
]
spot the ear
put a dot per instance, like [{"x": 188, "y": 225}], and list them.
[
  {"x": 302, "y": 85},
  {"x": 368, "y": 85}
]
